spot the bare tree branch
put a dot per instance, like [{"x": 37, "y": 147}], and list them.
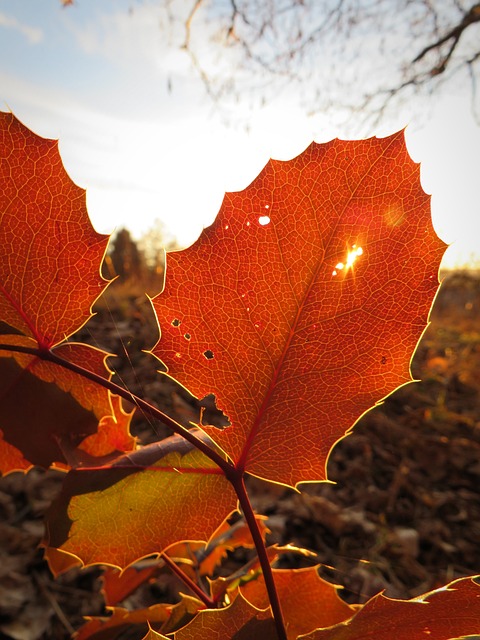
[
  {"x": 188, "y": 22},
  {"x": 308, "y": 45},
  {"x": 330, "y": 55},
  {"x": 472, "y": 16},
  {"x": 473, "y": 83}
]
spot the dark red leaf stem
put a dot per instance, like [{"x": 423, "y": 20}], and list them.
[
  {"x": 249, "y": 514},
  {"x": 193, "y": 586},
  {"x": 233, "y": 475},
  {"x": 143, "y": 405}
]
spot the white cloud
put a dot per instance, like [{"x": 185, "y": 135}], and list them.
[{"x": 32, "y": 34}]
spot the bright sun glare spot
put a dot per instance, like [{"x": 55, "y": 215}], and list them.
[
  {"x": 264, "y": 220},
  {"x": 352, "y": 255}
]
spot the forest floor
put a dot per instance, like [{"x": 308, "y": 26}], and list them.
[{"x": 403, "y": 515}]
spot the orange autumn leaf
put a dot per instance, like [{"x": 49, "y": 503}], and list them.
[
  {"x": 139, "y": 505},
  {"x": 113, "y": 433},
  {"x": 11, "y": 458},
  {"x": 181, "y": 613},
  {"x": 300, "y": 307},
  {"x": 307, "y": 601},
  {"x": 39, "y": 418},
  {"x": 194, "y": 559},
  {"x": 68, "y": 411},
  {"x": 239, "y": 621},
  {"x": 122, "y": 620},
  {"x": 51, "y": 254},
  {"x": 118, "y": 585},
  {"x": 49, "y": 279},
  {"x": 60, "y": 562},
  {"x": 227, "y": 538},
  {"x": 445, "y": 614}
]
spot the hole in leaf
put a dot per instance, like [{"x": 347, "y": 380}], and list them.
[
  {"x": 264, "y": 220},
  {"x": 187, "y": 336},
  {"x": 208, "y": 354},
  {"x": 211, "y": 415},
  {"x": 176, "y": 322}
]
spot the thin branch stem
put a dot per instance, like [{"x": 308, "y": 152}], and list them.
[
  {"x": 188, "y": 23},
  {"x": 193, "y": 586},
  {"x": 472, "y": 16},
  {"x": 252, "y": 523},
  {"x": 233, "y": 475},
  {"x": 143, "y": 405}
]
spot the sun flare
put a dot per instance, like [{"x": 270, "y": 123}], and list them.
[{"x": 352, "y": 255}]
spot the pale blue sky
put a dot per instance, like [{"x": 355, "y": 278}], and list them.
[{"x": 97, "y": 77}]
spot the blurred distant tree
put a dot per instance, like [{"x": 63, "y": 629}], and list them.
[
  {"x": 140, "y": 261},
  {"x": 125, "y": 258},
  {"x": 153, "y": 245}
]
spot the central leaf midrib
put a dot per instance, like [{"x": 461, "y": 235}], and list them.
[{"x": 272, "y": 385}]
